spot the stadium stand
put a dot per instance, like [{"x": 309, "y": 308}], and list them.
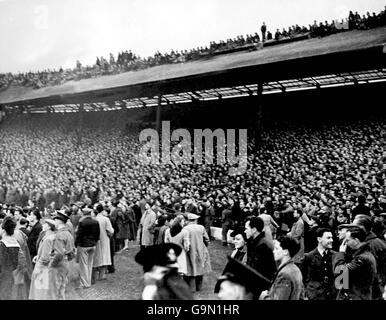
[{"x": 128, "y": 61}]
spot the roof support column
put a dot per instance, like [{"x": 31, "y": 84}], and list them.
[
  {"x": 80, "y": 124},
  {"x": 159, "y": 114},
  {"x": 259, "y": 115}
]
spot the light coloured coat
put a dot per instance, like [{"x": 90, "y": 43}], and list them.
[
  {"x": 148, "y": 219},
  {"x": 198, "y": 259},
  {"x": 49, "y": 282},
  {"x": 102, "y": 251}
]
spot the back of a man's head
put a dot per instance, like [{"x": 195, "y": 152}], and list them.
[
  {"x": 99, "y": 208},
  {"x": 37, "y": 214},
  {"x": 364, "y": 221},
  {"x": 361, "y": 199},
  {"x": 290, "y": 244},
  {"x": 256, "y": 222},
  {"x": 358, "y": 233}
]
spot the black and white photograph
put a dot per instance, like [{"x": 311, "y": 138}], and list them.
[{"x": 193, "y": 150}]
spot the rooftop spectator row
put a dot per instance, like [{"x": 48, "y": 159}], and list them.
[{"x": 129, "y": 61}]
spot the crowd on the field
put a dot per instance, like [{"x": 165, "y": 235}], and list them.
[
  {"x": 129, "y": 61},
  {"x": 92, "y": 198}
]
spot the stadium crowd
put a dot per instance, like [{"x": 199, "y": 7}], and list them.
[
  {"x": 128, "y": 61},
  {"x": 299, "y": 181}
]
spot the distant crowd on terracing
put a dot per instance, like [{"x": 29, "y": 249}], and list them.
[{"x": 128, "y": 61}]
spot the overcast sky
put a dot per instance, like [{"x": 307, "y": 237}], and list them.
[{"x": 40, "y": 34}]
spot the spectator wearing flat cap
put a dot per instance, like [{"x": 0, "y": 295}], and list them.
[
  {"x": 64, "y": 244},
  {"x": 161, "y": 277},
  {"x": 68, "y": 224},
  {"x": 288, "y": 281},
  {"x": 259, "y": 253},
  {"x": 64, "y": 239},
  {"x": 198, "y": 259},
  {"x": 87, "y": 236},
  {"x": 240, "y": 282},
  {"x": 378, "y": 249},
  {"x": 355, "y": 272}
]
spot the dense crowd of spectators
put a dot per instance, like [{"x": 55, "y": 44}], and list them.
[
  {"x": 128, "y": 61},
  {"x": 324, "y": 169}
]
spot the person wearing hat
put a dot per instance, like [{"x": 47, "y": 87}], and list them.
[
  {"x": 66, "y": 212},
  {"x": 162, "y": 280},
  {"x": 240, "y": 282},
  {"x": 288, "y": 281},
  {"x": 43, "y": 286},
  {"x": 87, "y": 236},
  {"x": 65, "y": 245},
  {"x": 198, "y": 259},
  {"x": 355, "y": 272},
  {"x": 377, "y": 248},
  {"x": 342, "y": 229},
  {"x": 64, "y": 234}
]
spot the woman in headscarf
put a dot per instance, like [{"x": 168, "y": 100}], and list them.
[{"x": 12, "y": 261}]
